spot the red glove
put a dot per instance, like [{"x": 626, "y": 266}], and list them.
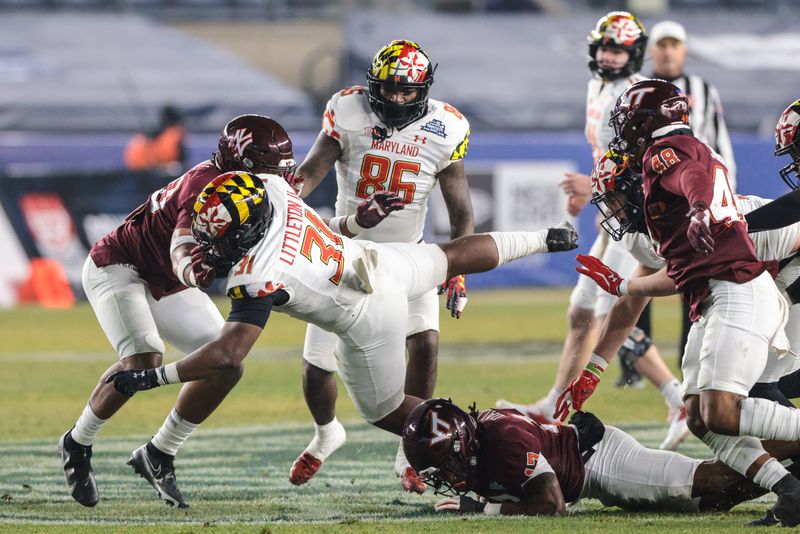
[
  {"x": 699, "y": 233},
  {"x": 204, "y": 273},
  {"x": 456, "y": 289},
  {"x": 295, "y": 181},
  {"x": 602, "y": 274},
  {"x": 376, "y": 208},
  {"x": 581, "y": 388}
]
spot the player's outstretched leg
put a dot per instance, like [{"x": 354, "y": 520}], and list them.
[
  {"x": 319, "y": 389},
  {"x": 159, "y": 470}
]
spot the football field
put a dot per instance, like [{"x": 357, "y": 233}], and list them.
[{"x": 233, "y": 471}]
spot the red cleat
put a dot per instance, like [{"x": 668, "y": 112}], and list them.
[
  {"x": 411, "y": 481},
  {"x": 304, "y": 468}
]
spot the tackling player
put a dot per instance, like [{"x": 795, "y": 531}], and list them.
[
  {"x": 737, "y": 310},
  {"x": 518, "y": 466},
  {"x": 616, "y": 52},
  {"x": 143, "y": 282},
  {"x": 286, "y": 258},
  {"x": 388, "y": 136}
]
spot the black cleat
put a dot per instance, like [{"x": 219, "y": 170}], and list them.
[
  {"x": 787, "y": 509},
  {"x": 629, "y": 377},
  {"x": 78, "y": 470},
  {"x": 159, "y": 470},
  {"x": 768, "y": 520}
]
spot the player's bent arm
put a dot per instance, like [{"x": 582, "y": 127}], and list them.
[
  {"x": 545, "y": 499},
  {"x": 323, "y": 154},
  {"x": 655, "y": 284},
  {"x": 180, "y": 251},
  {"x": 224, "y": 353},
  {"x": 455, "y": 191},
  {"x": 781, "y": 212}
]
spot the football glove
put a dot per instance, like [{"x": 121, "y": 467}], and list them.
[
  {"x": 581, "y": 388},
  {"x": 130, "y": 381},
  {"x": 699, "y": 232},
  {"x": 561, "y": 237},
  {"x": 204, "y": 273},
  {"x": 460, "y": 505},
  {"x": 605, "y": 277},
  {"x": 376, "y": 208},
  {"x": 456, "y": 289}
]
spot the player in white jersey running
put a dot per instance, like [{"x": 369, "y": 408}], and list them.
[
  {"x": 616, "y": 52},
  {"x": 387, "y": 136},
  {"x": 286, "y": 257}
]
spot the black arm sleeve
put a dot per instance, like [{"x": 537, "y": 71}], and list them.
[
  {"x": 781, "y": 212},
  {"x": 256, "y": 311}
]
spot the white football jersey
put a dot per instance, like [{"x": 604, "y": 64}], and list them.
[
  {"x": 772, "y": 245},
  {"x": 302, "y": 256},
  {"x": 406, "y": 162},
  {"x": 601, "y": 97}
]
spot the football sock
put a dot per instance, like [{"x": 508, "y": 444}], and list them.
[
  {"x": 671, "y": 391},
  {"x": 766, "y": 419},
  {"x": 740, "y": 452},
  {"x": 87, "y": 427},
  {"x": 173, "y": 433},
  {"x": 327, "y": 439},
  {"x": 770, "y": 474},
  {"x": 515, "y": 245},
  {"x": 400, "y": 461}
]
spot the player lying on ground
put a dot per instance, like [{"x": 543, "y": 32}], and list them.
[
  {"x": 387, "y": 136},
  {"x": 517, "y": 466},
  {"x": 143, "y": 282},
  {"x": 284, "y": 256},
  {"x": 737, "y": 311}
]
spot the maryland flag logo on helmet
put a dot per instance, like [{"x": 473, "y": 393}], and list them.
[
  {"x": 401, "y": 62},
  {"x": 228, "y": 202}
]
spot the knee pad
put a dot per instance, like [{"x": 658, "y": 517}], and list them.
[{"x": 634, "y": 347}]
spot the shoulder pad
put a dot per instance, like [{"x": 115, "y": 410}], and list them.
[
  {"x": 448, "y": 127},
  {"x": 662, "y": 158},
  {"x": 348, "y": 111}
]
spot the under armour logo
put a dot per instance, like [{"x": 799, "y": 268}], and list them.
[
  {"x": 439, "y": 429},
  {"x": 418, "y": 139}
]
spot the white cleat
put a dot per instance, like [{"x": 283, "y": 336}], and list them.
[
  {"x": 540, "y": 411},
  {"x": 678, "y": 430}
]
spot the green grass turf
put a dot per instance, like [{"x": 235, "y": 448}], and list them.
[{"x": 233, "y": 470}]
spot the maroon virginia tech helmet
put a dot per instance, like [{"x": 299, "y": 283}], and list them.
[
  {"x": 256, "y": 144},
  {"x": 441, "y": 443},
  {"x": 642, "y": 110}
]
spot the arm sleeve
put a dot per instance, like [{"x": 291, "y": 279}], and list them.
[
  {"x": 251, "y": 311},
  {"x": 779, "y": 213}
]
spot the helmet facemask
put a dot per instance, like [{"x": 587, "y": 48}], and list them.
[
  {"x": 787, "y": 141},
  {"x": 617, "y": 193}
]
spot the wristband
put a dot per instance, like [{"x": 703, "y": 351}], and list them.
[
  {"x": 597, "y": 365},
  {"x": 623, "y": 288},
  {"x": 181, "y": 240},
  {"x": 350, "y": 224},
  {"x": 181, "y": 268},
  {"x": 167, "y": 374}
]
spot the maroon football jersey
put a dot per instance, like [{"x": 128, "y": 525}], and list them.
[
  {"x": 680, "y": 170},
  {"x": 514, "y": 449},
  {"x": 143, "y": 240}
]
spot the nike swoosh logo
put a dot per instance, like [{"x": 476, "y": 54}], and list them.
[{"x": 156, "y": 472}]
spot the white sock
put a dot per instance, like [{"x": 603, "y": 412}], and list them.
[
  {"x": 671, "y": 391},
  {"x": 551, "y": 399},
  {"x": 173, "y": 433},
  {"x": 766, "y": 419},
  {"x": 327, "y": 439},
  {"x": 87, "y": 427},
  {"x": 739, "y": 453},
  {"x": 400, "y": 461},
  {"x": 770, "y": 474},
  {"x": 515, "y": 245}
]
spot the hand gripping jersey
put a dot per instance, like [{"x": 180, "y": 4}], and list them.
[
  {"x": 679, "y": 171},
  {"x": 302, "y": 256},
  {"x": 143, "y": 240},
  {"x": 601, "y": 97},
  {"x": 406, "y": 161},
  {"x": 516, "y": 449}
]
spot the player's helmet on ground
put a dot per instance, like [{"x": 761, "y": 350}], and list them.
[
  {"x": 441, "y": 443},
  {"x": 256, "y": 144},
  {"x": 787, "y": 141},
  {"x": 643, "y": 109},
  {"x": 622, "y": 30},
  {"x": 617, "y": 193},
  {"x": 230, "y": 216},
  {"x": 401, "y": 65}
]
